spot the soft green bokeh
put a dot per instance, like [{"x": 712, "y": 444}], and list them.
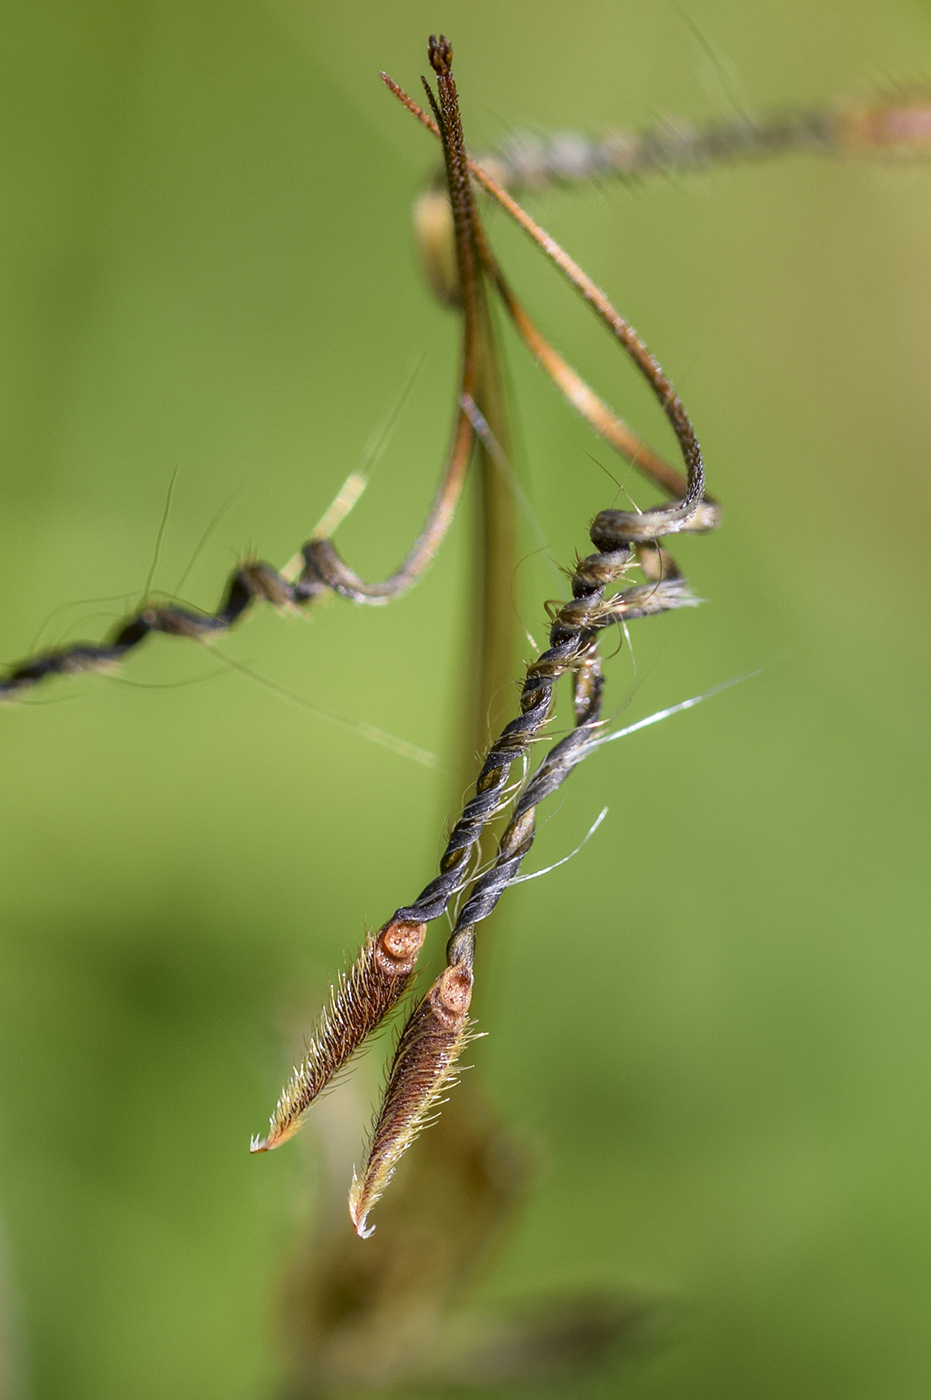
[{"x": 715, "y": 1020}]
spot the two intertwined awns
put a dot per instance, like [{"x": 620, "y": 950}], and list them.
[{"x": 358, "y": 1003}]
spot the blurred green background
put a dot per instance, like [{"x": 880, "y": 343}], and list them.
[{"x": 714, "y": 1021}]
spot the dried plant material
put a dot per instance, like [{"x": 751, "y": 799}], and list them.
[
  {"x": 602, "y": 595},
  {"x": 619, "y": 537},
  {"x": 434, "y": 1036},
  {"x": 359, "y": 1002},
  {"x": 889, "y": 124},
  {"x": 422, "y": 1070},
  {"x": 322, "y": 571}
]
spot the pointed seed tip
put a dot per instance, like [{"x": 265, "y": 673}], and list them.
[
  {"x": 358, "y": 1210},
  {"x": 276, "y": 1136},
  {"x": 359, "y": 1224}
]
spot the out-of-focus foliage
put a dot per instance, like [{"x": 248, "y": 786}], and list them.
[{"x": 721, "y": 1040}]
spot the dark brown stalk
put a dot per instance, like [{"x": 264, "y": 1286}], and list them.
[
  {"x": 320, "y": 556},
  {"x": 691, "y": 511},
  {"x": 495, "y": 555}
]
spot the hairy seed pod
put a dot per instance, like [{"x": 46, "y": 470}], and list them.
[
  {"x": 423, "y": 1066},
  {"x": 358, "y": 1003}
]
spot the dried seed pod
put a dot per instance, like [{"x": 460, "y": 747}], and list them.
[
  {"x": 358, "y": 1003},
  {"x": 422, "y": 1069}
]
